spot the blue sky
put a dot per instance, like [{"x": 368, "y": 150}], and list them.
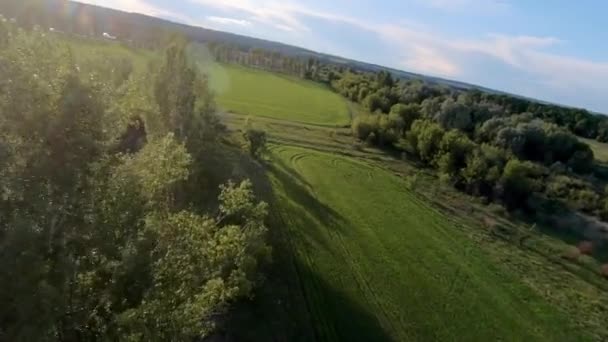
[{"x": 552, "y": 50}]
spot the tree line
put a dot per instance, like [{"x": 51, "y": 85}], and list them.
[
  {"x": 112, "y": 226},
  {"x": 305, "y": 67},
  {"x": 479, "y": 144}
]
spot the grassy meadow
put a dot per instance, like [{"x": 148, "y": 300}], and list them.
[
  {"x": 260, "y": 93},
  {"x": 378, "y": 264}
]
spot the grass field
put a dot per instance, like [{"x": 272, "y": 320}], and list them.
[
  {"x": 259, "y": 93},
  {"x": 378, "y": 264},
  {"x": 600, "y": 150}
]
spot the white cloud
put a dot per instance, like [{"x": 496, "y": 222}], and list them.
[
  {"x": 270, "y": 13},
  {"x": 486, "y": 6},
  {"x": 509, "y": 49},
  {"x": 228, "y": 21},
  {"x": 427, "y": 60}
]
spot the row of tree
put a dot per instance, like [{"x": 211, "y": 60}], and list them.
[
  {"x": 308, "y": 68},
  {"x": 505, "y": 158},
  {"x": 106, "y": 231},
  {"x": 380, "y": 92}
]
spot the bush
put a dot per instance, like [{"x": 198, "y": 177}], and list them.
[
  {"x": 586, "y": 200},
  {"x": 407, "y": 113},
  {"x": 425, "y": 138},
  {"x": 363, "y": 125},
  {"x": 256, "y": 142},
  {"x": 519, "y": 181}
]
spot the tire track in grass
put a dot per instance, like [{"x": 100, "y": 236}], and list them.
[
  {"x": 367, "y": 284},
  {"x": 328, "y": 331},
  {"x": 363, "y": 284}
]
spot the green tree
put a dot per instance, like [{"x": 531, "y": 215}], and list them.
[
  {"x": 454, "y": 115},
  {"x": 408, "y": 113},
  {"x": 256, "y": 141},
  {"x": 425, "y": 137},
  {"x": 454, "y": 149},
  {"x": 519, "y": 181}
]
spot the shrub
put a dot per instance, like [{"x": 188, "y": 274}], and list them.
[
  {"x": 256, "y": 141},
  {"x": 604, "y": 271}
]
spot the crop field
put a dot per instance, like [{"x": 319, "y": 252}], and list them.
[
  {"x": 378, "y": 264},
  {"x": 260, "y": 93}
]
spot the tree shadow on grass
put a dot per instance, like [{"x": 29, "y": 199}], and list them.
[
  {"x": 334, "y": 315},
  {"x": 302, "y": 306},
  {"x": 295, "y": 303},
  {"x": 302, "y": 193}
]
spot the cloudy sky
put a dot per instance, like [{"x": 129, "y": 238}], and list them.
[{"x": 552, "y": 50}]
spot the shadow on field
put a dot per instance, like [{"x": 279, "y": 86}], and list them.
[
  {"x": 336, "y": 317},
  {"x": 302, "y": 193},
  {"x": 294, "y": 303}
]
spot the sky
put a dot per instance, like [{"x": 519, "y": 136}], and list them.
[{"x": 555, "y": 50}]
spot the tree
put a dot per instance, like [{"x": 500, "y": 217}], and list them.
[
  {"x": 100, "y": 235},
  {"x": 184, "y": 100},
  {"x": 454, "y": 149},
  {"x": 408, "y": 113},
  {"x": 364, "y": 125},
  {"x": 454, "y": 115},
  {"x": 519, "y": 181},
  {"x": 425, "y": 137},
  {"x": 581, "y": 160},
  {"x": 373, "y": 102},
  {"x": 483, "y": 169},
  {"x": 256, "y": 141}
]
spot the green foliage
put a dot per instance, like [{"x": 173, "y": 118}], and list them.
[
  {"x": 483, "y": 170},
  {"x": 519, "y": 180},
  {"x": 158, "y": 168},
  {"x": 454, "y": 149},
  {"x": 574, "y": 192},
  {"x": 174, "y": 90},
  {"x": 454, "y": 115},
  {"x": 256, "y": 141},
  {"x": 408, "y": 113},
  {"x": 373, "y": 102},
  {"x": 200, "y": 266},
  {"x": 425, "y": 137},
  {"x": 100, "y": 245},
  {"x": 364, "y": 125}
]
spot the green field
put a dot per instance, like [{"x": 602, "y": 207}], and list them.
[
  {"x": 378, "y": 264},
  {"x": 259, "y": 93},
  {"x": 600, "y": 150}
]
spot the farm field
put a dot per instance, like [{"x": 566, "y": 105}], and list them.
[
  {"x": 260, "y": 93},
  {"x": 378, "y": 264}
]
